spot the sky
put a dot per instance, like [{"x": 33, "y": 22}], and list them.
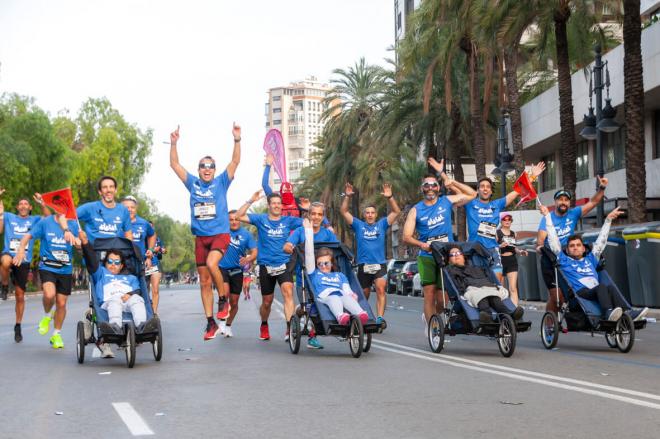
[{"x": 200, "y": 64}]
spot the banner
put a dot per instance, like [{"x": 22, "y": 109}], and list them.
[
  {"x": 274, "y": 144},
  {"x": 61, "y": 201},
  {"x": 525, "y": 188}
]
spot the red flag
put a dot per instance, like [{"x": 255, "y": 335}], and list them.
[
  {"x": 61, "y": 201},
  {"x": 525, "y": 188}
]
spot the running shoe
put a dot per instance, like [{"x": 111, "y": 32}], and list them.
[
  {"x": 381, "y": 321},
  {"x": 18, "y": 337},
  {"x": 264, "y": 333},
  {"x": 313, "y": 343},
  {"x": 56, "y": 341},
  {"x": 223, "y": 327},
  {"x": 44, "y": 325},
  {"x": 639, "y": 315},
  {"x": 614, "y": 314},
  {"x": 4, "y": 292},
  {"x": 287, "y": 335},
  {"x": 228, "y": 332},
  {"x": 223, "y": 308},
  {"x": 106, "y": 351},
  {"x": 518, "y": 313},
  {"x": 364, "y": 317},
  {"x": 212, "y": 330},
  {"x": 344, "y": 319}
]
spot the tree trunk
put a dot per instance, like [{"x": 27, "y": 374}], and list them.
[
  {"x": 566, "y": 119},
  {"x": 634, "y": 111},
  {"x": 476, "y": 116},
  {"x": 454, "y": 148},
  {"x": 513, "y": 105}
]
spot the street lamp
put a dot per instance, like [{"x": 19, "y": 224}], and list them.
[
  {"x": 603, "y": 122},
  {"x": 503, "y": 157}
]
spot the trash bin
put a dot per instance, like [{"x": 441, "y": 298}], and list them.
[
  {"x": 643, "y": 254},
  {"x": 542, "y": 289},
  {"x": 615, "y": 256},
  {"x": 528, "y": 281}
]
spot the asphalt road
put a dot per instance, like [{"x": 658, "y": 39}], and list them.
[{"x": 244, "y": 387}]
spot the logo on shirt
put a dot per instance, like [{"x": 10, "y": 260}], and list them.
[
  {"x": 585, "y": 270},
  {"x": 21, "y": 229},
  {"x": 438, "y": 219},
  {"x": 203, "y": 193},
  {"x": 276, "y": 232},
  {"x": 56, "y": 240},
  {"x": 110, "y": 228},
  {"x": 485, "y": 211},
  {"x": 565, "y": 230},
  {"x": 371, "y": 234},
  {"x": 235, "y": 241}
]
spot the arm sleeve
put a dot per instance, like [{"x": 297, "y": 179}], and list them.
[
  {"x": 150, "y": 230},
  {"x": 325, "y": 222},
  {"x": 553, "y": 239},
  {"x": 601, "y": 241},
  {"x": 309, "y": 251},
  {"x": 82, "y": 212},
  {"x": 126, "y": 223},
  {"x": 37, "y": 231},
  {"x": 91, "y": 259},
  {"x": 264, "y": 181}
]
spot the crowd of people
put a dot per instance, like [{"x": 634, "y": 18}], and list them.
[{"x": 228, "y": 256}]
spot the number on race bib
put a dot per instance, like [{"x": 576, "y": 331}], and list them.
[
  {"x": 371, "y": 268},
  {"x": 487, "y": 230},
  {"x": 275, "y": 271},
  {"x": 439, "y": 238},
  {"x": 204, "y": 211}
]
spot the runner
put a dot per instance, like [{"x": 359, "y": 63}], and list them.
[
  {"x": 483, "y": 216},
  {"x": 154, "y": 276},
  {"x": 370, "y": 238},
  {"x": 564, "y": 219},
  {"x": 431, "y": 217},
  {"x": 242, "y": 251},
  {"x": 275, "y": 265},
  {"x": 506, "y": 238},
  {"x": 321, "y": 234},
  {"x": 55, "y": 268},
  {"x": 247, "y": 280},
  {"x": 209, "y": 222},
  {"x": 15, "y": 227}
]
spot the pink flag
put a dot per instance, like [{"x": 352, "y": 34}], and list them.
[{"x": 274, "y": 144}]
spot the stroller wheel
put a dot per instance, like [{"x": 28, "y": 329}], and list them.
[
  {"x": 130, "y": 345},
  {"x": 506, "y": 337},
  {"x": 367, "y": 342},
  {"x": 355, "y": 337},
  {"x": 436, "y": 333},
  {"x": 549, "y": 330},
  {"x": 157, "y": 344},
  {"x": 610, "y": 338},
  {"x": 80, "y": 342},
  {"x": 624, "y": 333},
  {"x": 294, "y": 334}
]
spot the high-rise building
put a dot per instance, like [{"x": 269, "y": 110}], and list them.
[
  {"x": 402, "y": 9},
  {"x": 296, "y": 111}
]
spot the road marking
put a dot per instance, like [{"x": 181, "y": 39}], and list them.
[
  {"x": 132, "y": 419},
  {"x": 281, "y": 305},
  {"x": 524, "y": 375}
]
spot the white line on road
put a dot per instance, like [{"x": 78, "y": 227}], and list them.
[
  {"x": 281, "y": 305},
  {"x": 132, "y": 419},
  {"x": 523, "y": 375}
]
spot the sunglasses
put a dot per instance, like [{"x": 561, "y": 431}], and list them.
[
  {"x": 113, "y": 261},
  {"x": 207, "y": 166},
  {"x": 454, "y": 254},
  {"x": 430, "y": 185},
  {"x": 324, "y": 264},
  {"x": 507, "y": 219}
]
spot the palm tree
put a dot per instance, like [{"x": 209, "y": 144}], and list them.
[{"x": 634, "y": 111}]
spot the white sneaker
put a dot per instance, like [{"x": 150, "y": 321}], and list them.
[
  {"x": 106, "y": 351},
  {"x": 227, "y": 332},
  {"x": 223, "y": 327},
  {"x": 615, "y": 314},
  {"x": 642, "y": 314}
]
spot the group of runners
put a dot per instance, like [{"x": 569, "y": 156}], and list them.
[{"x": 225, "y": 251}]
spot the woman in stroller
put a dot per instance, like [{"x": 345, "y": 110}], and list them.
[
  {"x": 116, "y": 292},
  {"x": 330, "y": 287},
  {"x": 475, "y": 285}
]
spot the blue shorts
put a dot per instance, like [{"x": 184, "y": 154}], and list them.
[{"x": 497, "y": 259}]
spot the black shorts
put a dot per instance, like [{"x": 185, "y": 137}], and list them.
[
  {"x": 509, "y": 264},
  {"x": 367, "y": 279},
  {"x": 234, "y": 280},
  {"x": 267, "y": 282},
  {"x": 63, "y": 282},
  {"x": 20, "y": 274}
]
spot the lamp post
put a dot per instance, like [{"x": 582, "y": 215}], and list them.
[
  {"x": 503, "y": 157},
  {"x": 602, "y": 122}
]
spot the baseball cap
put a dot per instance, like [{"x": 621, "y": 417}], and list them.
[{"x": 564, "y": 193}]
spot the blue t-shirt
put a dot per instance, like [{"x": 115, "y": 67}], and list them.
[
  {"x": 272, "y": 236},
  {"x": 322, "y": 281},
  {"x": 564, "y": 225},
  {"x": 370, "y": 240},
  {"x": 579, "y": 273},
  {"x": 483, "y": 219},
  {"x": 107, "y": 285},
  {"x": 433, "y": 223},
  {"x": 142, "y": 230},
  {"x": 208, "y": 205},
  {"x": 298, "y": 237},
  {"x": 15, "y": 228},
  {"x": 240, "y": 242},
  {"x": 55, "y": 253},
  {"x": 104, "y": 222}
]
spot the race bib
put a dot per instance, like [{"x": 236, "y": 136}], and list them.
[
  {"x": 151, "y": 270},
  {"x": 275, "y": 271},
  {"x": 371, "y": 268},
  {"x": 204, "y": 211},
  {"x": 439, "y": 238},
  {"x": 509, "y": 240},
  {"x": 235, "y": 271},
  {"x": 487, "y": 230},
  {"x": 14, "y": 244},
  {"x": 589, "y": 282},
  {"x": 52, "y": 263},
  {"x": 62, "y": 256}
]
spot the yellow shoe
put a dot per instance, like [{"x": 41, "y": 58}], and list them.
[
  {"x": 44, "y": 325},
  {"x": 56, "y": 341}
]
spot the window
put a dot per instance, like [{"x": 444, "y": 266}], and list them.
[
  {"x": 582, "y": 160},
  {"x": 277, "y": 110},
  {"x": 277, "y": 98},
  {"x": 549, "y": 177},
  {"x": 277, "y": 122},
  {"x": 613, "y": 150}
]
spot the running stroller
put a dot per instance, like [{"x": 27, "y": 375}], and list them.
[
  {"x": 95, "y": 327},
  {"x": 462, "y": 318},
  {"x": 312, "y": 312}
]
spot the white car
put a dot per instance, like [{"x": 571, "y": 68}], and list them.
[{"x": 417, "y": 285}]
